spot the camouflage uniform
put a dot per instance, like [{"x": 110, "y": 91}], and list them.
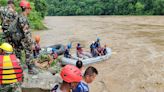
[
  {"x": 26, "y": 42},
  {"x": 7, "y": 16},
  {"x": 15, "y": 87}
]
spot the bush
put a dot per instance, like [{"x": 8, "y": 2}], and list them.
[
  {"x": 105, "y": 7},
  {"x": 37, "y": 13}
]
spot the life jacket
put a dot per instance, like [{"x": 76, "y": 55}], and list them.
[
  {"x": 79, "y": 50},
  {"x": 10, "y": 70}
]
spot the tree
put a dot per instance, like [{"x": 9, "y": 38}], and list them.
[
  {"x": 41, "y": 7},
  {"x": 36, "y": 15},
  {"x": 105, "y": 7},
  {"x": 139, "y": 8},
  {"x": 158, "y": 7}
]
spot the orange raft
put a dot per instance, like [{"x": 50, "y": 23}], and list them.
[{"x": 10, "y": 70}]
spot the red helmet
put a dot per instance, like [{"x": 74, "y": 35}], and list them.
[
  {"x": 25, "y": 4},
  {"x": 71, "y": 73},
  {"x": 37, "y": 38}
]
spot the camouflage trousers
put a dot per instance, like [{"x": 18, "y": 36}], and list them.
[
  {"x": 15, "y": 87},
  {"x": 28, "y": 53}
]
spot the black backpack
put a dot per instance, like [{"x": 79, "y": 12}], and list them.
[{"x": 14, "y": 30}]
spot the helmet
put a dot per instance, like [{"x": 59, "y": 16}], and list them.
[
  {"x": 98, "y": 39},
  {"x": 71, "y": 73},
  {"x": 37, "y": 38},
  {"x": 25, "y": 4},
  {"x": 69, "y": 46},
  {"x": 21, "y": 4},
  {"x": 6, "y": 47}
]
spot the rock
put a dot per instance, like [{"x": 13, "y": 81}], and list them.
[{"x": 43, "y": 80}]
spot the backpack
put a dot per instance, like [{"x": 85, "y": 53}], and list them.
[
  {"x": 15, "y": 32},
  {"x": 2, "y": 16},
  {"x": 7, "y": 18}
]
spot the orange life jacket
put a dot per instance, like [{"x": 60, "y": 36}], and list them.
[{"x": 10, "y": 70}]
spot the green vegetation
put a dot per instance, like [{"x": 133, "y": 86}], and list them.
[
  {"x": 89, "y": 7},
  {"x": 39, "y": 9},
  {"x": 105, "y": 7}
]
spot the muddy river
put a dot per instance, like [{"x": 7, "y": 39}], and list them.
[{"x": 137, "y": 42}]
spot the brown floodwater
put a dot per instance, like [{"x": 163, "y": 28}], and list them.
[{"x": 137, "y": 42}]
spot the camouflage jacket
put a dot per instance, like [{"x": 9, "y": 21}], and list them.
[
  {"x": 23, "y": 25},
  {"x": 7, "y": 16},
  {"x": 15, "y": 87}
]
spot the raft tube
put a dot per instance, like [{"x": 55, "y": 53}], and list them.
[
  {"x": 59, "y": 49},
  {"x": 66, "y": 61}
]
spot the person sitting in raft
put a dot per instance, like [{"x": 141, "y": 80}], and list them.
[
  {"x": 81, "y": 53},
  {"x": 37, "y": 47},
  {"x": 67, "y": 50},
  {"x": 99, "y": 49},
  {"x": 104, "y": 50},
  {"x": 97, "y": 43},
  {"x": 93, "y": 50}
]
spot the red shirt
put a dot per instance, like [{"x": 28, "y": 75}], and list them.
[{"x": 79, "y": 49}]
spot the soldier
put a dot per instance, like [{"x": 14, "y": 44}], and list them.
[
  {"x": 22, "y": 38},
  {"x": 10, "y": 74},
  {"x": 7, "y": 16}
]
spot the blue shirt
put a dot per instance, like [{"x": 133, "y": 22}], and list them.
[
  {"x": 92, "y": 46},
  {"x": 66, "y": 53},
  {"x": 97, "y": 44},
  {"x": 81, "y": 87}
]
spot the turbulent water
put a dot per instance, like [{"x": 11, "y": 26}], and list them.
[{"x": 137, "y": 63}]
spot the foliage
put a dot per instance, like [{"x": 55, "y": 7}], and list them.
[
  {"x": 39, "y": 8},
  {"x": 105, "y": 7}
]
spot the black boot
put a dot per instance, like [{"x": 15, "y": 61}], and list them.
[{"x": 31, "y": 69}]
